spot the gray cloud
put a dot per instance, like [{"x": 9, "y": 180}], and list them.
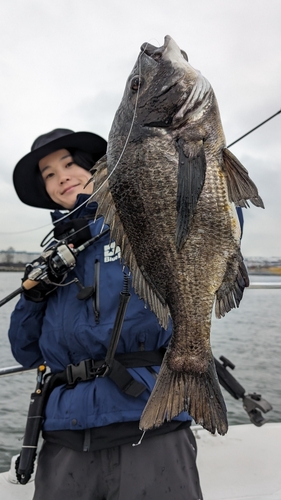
[{"x": 65, "y": 64}]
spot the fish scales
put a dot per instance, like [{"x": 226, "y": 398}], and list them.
[{"x": 170, "y": 204}]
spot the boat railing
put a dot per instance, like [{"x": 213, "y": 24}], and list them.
[
  {"x": 265, "y": 285},
  {"x": 13, "y": 370}
]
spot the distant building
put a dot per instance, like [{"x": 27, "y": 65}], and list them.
[
  {"x": 263, "y": 261},
  {"x": 11, "y": 257},
  {"x": 264, "y": 265}
]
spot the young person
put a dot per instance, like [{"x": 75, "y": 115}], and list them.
[{"x": 90, "y": 426}]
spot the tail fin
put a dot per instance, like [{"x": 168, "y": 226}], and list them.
[{"x": 197, "y": 393}]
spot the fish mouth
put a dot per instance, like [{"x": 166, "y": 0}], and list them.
[
  {"x": 157, "y": 53},
  {"x": 192, "y": 99},
  {"x": 173, "y": 62},
  {"x": 178, "y": 92}
]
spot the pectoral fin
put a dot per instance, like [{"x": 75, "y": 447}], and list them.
[
  {"x": 240, "y": 187},
  {"x": 191, "y": 177}
]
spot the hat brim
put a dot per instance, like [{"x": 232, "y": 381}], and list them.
[{"x": 27, "y": 179}]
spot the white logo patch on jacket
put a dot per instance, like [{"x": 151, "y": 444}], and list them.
[{"x": 111, "y": 252}]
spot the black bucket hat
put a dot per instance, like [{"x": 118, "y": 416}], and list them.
[{"x": 27, "y": 179}]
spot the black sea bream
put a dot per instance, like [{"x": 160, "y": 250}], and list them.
[{"x": 170, "y": 202}]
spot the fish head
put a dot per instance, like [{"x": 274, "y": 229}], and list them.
[{"x": 163, "y": 86}]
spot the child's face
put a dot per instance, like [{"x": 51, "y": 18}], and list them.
[{"x": 63, "y": 179}]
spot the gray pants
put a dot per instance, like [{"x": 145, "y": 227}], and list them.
[{"x": 162, "y": 467}]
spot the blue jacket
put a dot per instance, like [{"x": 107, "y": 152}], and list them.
[{"x": 63, "y": 330}]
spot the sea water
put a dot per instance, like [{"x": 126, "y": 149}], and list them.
[{"x": 248, "y": 336}]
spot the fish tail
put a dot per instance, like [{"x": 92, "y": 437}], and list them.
[{"x": 197, "y": 393}]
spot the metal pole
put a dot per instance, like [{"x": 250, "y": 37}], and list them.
[
  {"x": 12, "y": 370},
  {"x": 265, "y": 285}
]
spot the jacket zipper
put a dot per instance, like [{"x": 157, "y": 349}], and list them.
[{"x": 96, "y": 297}]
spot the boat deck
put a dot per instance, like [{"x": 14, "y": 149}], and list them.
[{"x": 243, "y": 465}]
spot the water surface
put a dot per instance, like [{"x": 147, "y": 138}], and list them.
[{"x": 248, "y": 336}]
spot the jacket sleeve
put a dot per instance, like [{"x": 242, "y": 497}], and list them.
[
  {"x": 241, "y": 218},
  {"x": 25, "y": 331}
]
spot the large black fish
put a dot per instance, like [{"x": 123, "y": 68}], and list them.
[{"x": 170, "y": 201}]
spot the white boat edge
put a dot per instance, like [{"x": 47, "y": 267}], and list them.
[{"x": 242, "y": 465}]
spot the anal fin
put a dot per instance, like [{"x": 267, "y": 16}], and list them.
[{"x": 230, "y": 293}]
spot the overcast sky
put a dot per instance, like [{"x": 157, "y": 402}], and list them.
[{"x": 64, "y": 63}]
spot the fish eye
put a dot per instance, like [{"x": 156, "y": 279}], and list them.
[{"x": 135, "y": 83}]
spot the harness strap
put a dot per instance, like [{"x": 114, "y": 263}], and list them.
[
  {"x": 124, "y": 380},
  {"x": 89, "y": 369}
]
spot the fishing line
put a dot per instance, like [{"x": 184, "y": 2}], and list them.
[
  {"x": 114, "y": 168},
  {"x": 124, "y": 147},
  {"x": 122, "y": 152},
  {"x": 130, "y": 129},
  {"x": 26, "y": 230},
  {"x": 45, "y": 242},
  {"x": 121, "y": 155}
]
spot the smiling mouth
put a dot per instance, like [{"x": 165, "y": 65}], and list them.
[{"x": 69, "y": 188}]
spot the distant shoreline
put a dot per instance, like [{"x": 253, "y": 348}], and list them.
[
  {"x": 265, "y": 271},
  {"x": 262, "y": 271},
  {"x": 20, "y": 268}
]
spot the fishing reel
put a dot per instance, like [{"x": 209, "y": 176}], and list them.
[{"x": 54, "y": 263}]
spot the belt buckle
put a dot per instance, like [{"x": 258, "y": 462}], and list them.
[
  {"x": 98, "y": 368},
  {"x": 87, "y": 369},
  {"x": 75, "y": 373}
]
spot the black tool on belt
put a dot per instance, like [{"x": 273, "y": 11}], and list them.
[
  {"x": 26, "y": 459},
  {"x": 112, "y": 366}
]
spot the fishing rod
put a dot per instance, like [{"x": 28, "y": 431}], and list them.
[
  {"x": 255, "y": 128},
  {"x": 67, "y": 215}
]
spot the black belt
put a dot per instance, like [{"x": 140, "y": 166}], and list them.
[{"x": 90, "y": 369}]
